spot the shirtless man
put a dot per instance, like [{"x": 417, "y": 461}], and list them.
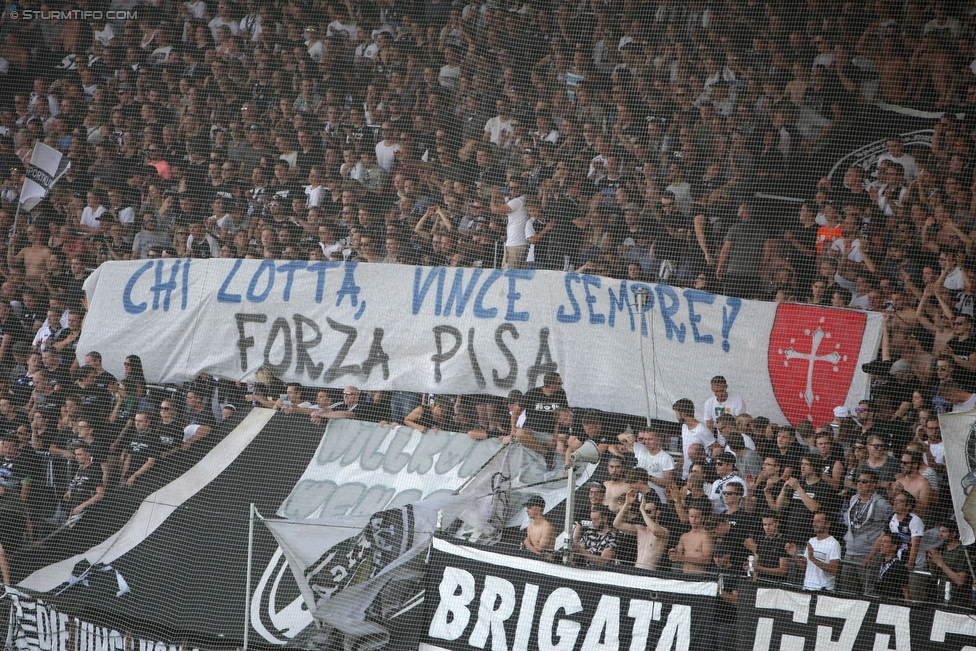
[
  {"x": 652, "y": 538},
  {"x": 34, "y": 258},
  {"x": 904, "y": 318},
  {"x": 909, "y": 479},
  {"x": 694, "y": 548},
  {"x": 616, "y": 486},
  {"x": 540, "y": 535}
]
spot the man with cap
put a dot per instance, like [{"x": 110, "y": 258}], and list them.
[
  {"x": 725, "y": 467},
  {"x": 902, "y": 384},
  {"x": 540, "y": 534}
]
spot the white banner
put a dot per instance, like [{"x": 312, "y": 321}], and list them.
[
  {"x": 463, "y": 330},
  {"x": 362, "y": 468},
  {"x": 959, "y": 437}
]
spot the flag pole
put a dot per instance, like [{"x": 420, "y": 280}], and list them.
[
  {"x": 250, "y": 559},
  {"x": 16, "y": 215}
]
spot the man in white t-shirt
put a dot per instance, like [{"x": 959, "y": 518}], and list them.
[
  {"x": 91, "y": 215},
  {"x": 222, "y": 19},
  {"x": 314, "y": 190},
  {"x": 658, "y": 463},
  {"x": 896, "y": 154},
  {"x": 450, "y": 72},
  {"x": 516, "y": 243},
  {"x": 961, "y": 399},
  {"x": 721, "y": 403},
  {"x": 821, "y": 558},
  {"x": 387, "y": 148},
  {"x": 692, "y": 431},
  {"x": 498, "y": 130},
  {"x": 933, "y": 446}
]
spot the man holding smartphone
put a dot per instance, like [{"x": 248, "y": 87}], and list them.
[{"x": 516, "y": 242}]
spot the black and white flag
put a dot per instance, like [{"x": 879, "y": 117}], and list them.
[
  {"x": 342, "y": 564},
  {"x": 46, "y": 167}
]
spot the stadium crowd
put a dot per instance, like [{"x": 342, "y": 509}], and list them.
[{"x": 625, "y": 139}]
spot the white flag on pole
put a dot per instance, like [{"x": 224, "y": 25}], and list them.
[
  {"x": 342, "y": 564},
  {"x": 43, "y": 172}
]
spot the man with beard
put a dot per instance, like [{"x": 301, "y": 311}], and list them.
[
  {"x": 821, "y": 558},
  {"x": 616, "y": 486}
]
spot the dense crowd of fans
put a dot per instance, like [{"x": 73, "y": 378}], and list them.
[
  {"x": 859, "y": 505},
  {"x": 618, "y": 138}
]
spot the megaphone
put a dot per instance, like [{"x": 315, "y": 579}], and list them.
[{"x": 587, "y": 453}]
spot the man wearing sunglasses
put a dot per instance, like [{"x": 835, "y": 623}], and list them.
[
  {"x": 866, "y": 516},
  {"x": 880, "y": 462}
]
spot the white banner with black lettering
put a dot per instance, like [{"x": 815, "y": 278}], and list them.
[
  {"x": 773, "y": 619},
  {"x": 478, "y": 331},
  {"x": 478, "y": 599}
]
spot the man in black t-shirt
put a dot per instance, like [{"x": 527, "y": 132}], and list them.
[
  {"x": 86, "y": 487},
  {"x": 769, "y": 549},
  {"x": 200, "y": 418},
  {"x": 56, "y": 372},
  {"x": 141, "y": 452},
  {"x": 95, "y": 401},
  {"x": 103, "y": 379},
  {"x": 170, "y": 429},
  {"x": 10, "y": 333},
  {"x": 540, "y": 405},
  {"x": 730, "y": 573},
  {"x": 741, "y": 525},
  {"x": 962, "y": 348},
  {"x": 801, "y": 498},
  {"x": 892, "y": 582},
  {"x": 14, "y": 486}
]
